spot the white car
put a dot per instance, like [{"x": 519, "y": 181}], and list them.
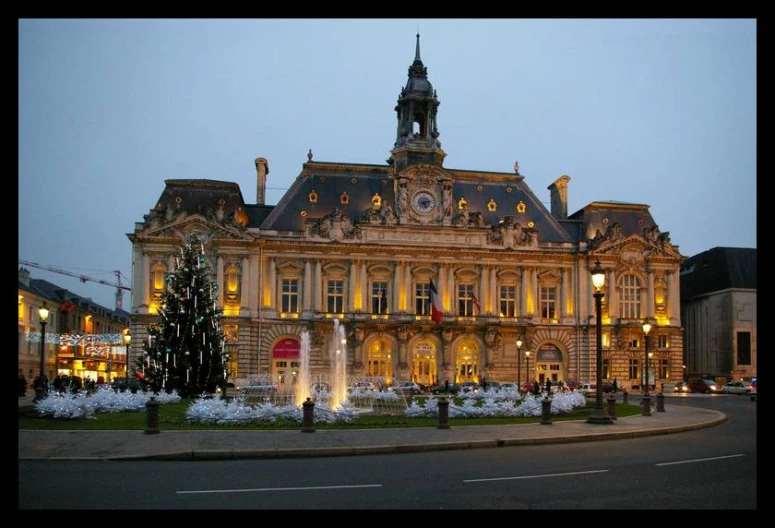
[
  {"x": 509, "y": 386},
  {"x": 735, "y": 387}
]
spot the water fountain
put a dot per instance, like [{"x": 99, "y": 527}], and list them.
[
  {"x": 338, "y": 353},
  {"x": 303, "y": 381}
]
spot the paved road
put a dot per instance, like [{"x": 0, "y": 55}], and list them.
[{"x": 228, "y": 444}]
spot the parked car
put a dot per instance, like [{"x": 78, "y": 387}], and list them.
[
  {"x": 259, "y": 388},
  {"x": 452, "y": 388},
  {"x": 704, "y": 386},
  {"x": 735, "y": 387},
  {"x": 572, "y": 385},
  {"x": 590, "y": 389},
  {"x": 752, "y": 389},
  {"x": 407, "y": 387},
  {"x": 681, "y": 387},
  {"x": 509, "y": 386}
]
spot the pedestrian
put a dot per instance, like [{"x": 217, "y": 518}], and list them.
[
  {"x": 548, "y": 387},
  {"x": 446, "y": 386},
  {"x": 22, "y": 384},
  {"x": 536, "y": 388},
  {"x": 615, "y": 386}
]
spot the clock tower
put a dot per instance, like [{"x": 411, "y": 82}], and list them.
[
  {"x": 417, "y": 140},
  {"x": 417, "y": 157}
]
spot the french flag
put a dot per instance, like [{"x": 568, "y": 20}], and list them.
[{"x": 436, "y": 311}]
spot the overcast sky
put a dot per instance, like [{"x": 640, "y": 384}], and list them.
[{"x": 654, "y": 111}]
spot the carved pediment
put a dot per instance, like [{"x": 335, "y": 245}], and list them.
[
  {"x": 184, "y": 225},
  {"x": 635, "y": 248}
]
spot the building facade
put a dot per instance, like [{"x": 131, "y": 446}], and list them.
[
  {"x": 368, "y": 245},
  {"x": 718, "y": 307},
  {"x": 82, "y": 338}
]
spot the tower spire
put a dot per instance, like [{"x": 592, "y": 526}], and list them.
[{"x": 417, "y": 138}]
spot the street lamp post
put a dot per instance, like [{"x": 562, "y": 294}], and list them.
[
  {"x": 598, "y": 416},
  {"x": 527, "y": 366},
  {"x": 646, "y": 330},
  {"x": 646, "y": 398},
  {"x": 42, "y": 386},
  {"x": 127, "y": 340},
  {"x": 519, "y": 364}
]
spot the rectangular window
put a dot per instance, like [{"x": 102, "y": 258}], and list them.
[
  {"x": 422, "y": 298},
  {"x": 633, "y": 370},
  {"x": 548, "y": 302},
  {"x": 744, "y": 348},
  {"x": 663, "y": 370},
  {"x": 629, "y": 297},
  {"x": 634, "y": 343},
  {"x": 289, "y": 296},
  {"x": 664, "y": 341},
  {"x": 335, "y": 296},
  {"x": 606, "y": 369},
  {"x": 379, "y": 298},
  {"x": 508, "y": 301},
  {"x": 465, "y": 300}
]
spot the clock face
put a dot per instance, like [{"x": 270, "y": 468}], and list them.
[{"x": 423, "y": 202}]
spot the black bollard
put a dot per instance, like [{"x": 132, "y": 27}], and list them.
[
  {"x": 646, "y": 402},
  {"x": 152, "y": 416},
  {"x": 546, "y": 411},
  {"x": 612, "y": 406},
  {"x": 443, "y": 414},
  {"x": 660, "y": 402},
  {"x": 308, "y": 416}
]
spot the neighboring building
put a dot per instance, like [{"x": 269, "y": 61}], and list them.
[
  {"x": 82, "y": 338},
  {"x": 718, "y": 309},
  {"x": 365, "y": 244}
]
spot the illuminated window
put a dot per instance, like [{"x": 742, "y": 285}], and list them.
[
  {"x": 376, "y": 201},
  {"x": 508, "y": 301},
  {"x": 492, "y": 206},
  {"x": 289, "y": 296},
  {"x": 158, "y": 277},
  {"x": 549, "y": 302},
  {"x": 344, "y": 198},
  {"x": 664, "y": 341},
  {"x": 521, "y": 207},
  {"x": 422, "y": 298},
  {"x": 629, "y": 297},
  {"x": 231, "y": 281},
  {"x": 465, "y": 300},
  {"x": 633, "y": 369},
  {"x": 335, "y": 296},
  {"x": 379, "y": 298}
]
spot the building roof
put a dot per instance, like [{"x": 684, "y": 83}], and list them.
[
  {"x": 56, "y": 294},
  {"x": 717, "y": 269}
]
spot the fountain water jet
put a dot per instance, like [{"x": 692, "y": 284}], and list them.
[
  {"x": 303, "y": 386},
  {"x": 338, "y": 352}
]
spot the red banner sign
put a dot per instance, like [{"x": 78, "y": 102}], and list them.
[{"x": 287, "y": 348}]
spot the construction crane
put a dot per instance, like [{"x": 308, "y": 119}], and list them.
[{"x": 84, "y": 278}]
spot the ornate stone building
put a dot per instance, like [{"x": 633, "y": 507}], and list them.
[{"x": 366, "y": 244}]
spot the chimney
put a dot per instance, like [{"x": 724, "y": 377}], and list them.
[
  {"x": 559, "y": 197},
  {"x": 262, "y": 168},
  {"x": 24, "y": 276}
]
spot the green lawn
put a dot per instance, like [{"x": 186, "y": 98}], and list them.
[{"x": 172, "y": 417}]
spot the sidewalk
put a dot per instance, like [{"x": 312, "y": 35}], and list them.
[{"x": 227, "y": 444}]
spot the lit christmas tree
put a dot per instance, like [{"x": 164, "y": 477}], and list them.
[{"x": 184, "y": 351}]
